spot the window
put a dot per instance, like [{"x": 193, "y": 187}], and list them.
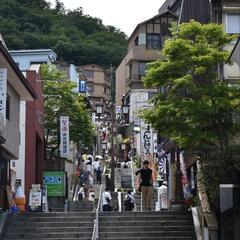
[
  {"x": 233, "y": 23},
  {"x": 107, "y": 91},
  {"x": 142, "y": 39},
  {"x": 90, "y": 89},
  {"x": 8, "y": 108},
  {"x": 89, "y": 73},
  {"x": 154, "y": 41},
  {"x": 141, "y": 69}
]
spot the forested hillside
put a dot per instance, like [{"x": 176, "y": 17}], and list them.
[{"x": 30, "y": 24}]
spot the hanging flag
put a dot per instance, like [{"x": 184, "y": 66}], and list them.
[{"x": 64, "y": 136}]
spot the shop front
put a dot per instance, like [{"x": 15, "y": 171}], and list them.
[{"x": 4, "y": 180}]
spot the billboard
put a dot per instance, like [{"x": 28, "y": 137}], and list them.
[{"x": 55, "y": 183}]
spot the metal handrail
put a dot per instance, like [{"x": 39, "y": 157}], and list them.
[{"x": 95, "y": 234}]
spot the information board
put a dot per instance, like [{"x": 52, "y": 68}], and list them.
[{"x": 55, "y": 182}]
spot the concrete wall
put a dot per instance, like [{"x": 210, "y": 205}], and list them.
[
  {"x": 20, "y": 163},
  {"x": 12, "y": 125},
  {"x": 122, "y": 73}
]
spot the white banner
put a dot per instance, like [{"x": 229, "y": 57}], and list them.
[
  {"x": 146, "y": 142},
  {"x": 3, "y": 94},
  {"x": 64, "y": 136}
]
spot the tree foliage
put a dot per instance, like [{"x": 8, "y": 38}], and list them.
[
  {"x": 30, "y": 24},
  {"x": 61, "y": 100},
  {"x": 196, "y": 109}
]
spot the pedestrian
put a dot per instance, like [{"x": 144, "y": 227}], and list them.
[
  {"x": 106, "y": 200},
  {"x": 162, "y": 196},
  {"x": 99, "y": 176},
  {"x": 81, "y": 194},
  {"x": 91, "y": 194},
  {"x": 146, "y": 184},
  {"x": 129, "y": 201}
]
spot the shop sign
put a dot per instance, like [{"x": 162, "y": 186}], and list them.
[
  {"x": 55, "y": 182},
  {"x": 146, "y": 141},
  {"x": 82, "y": 86},
  {"x": 35, "y": 197},
  {"x": 64, "y": 134}
]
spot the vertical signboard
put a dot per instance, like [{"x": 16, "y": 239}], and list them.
[
  {"x": 82, "y": 86},
  {"x": 146, "y": 141},
  {"x": 147, "y": 146},
  {"x": 64, "y": 136},
  {"x": 3, "y": 94}
]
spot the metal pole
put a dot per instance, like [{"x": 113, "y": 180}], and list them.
[
  {"x": 112, "y": 151},
  {"x": 180, "y": 15}
]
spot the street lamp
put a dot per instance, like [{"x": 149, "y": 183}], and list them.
[
  {"x": 99, "y": 109},
  {"x": 125, "y": 111}
]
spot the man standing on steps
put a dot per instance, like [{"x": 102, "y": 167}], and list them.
[
  {"x": 146, "y": 184},
  {"x": 106, "y": 200}
]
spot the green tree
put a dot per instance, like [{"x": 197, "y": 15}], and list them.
[
  {"x": 61, "y": 100},
  {"x": 73, "y": 35},
  {"x": 196, "y": 109}
]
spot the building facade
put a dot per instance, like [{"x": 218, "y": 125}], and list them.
[
  {"x": 99, "y": 85},
  {"x": 17, "y": 89},
  {"x": 29, "y": 167}
]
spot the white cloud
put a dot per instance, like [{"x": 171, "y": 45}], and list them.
[{"x": 122, "y": 14}]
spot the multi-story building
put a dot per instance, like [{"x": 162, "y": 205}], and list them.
[
  {"x": 30, "y": 165},
  {"x": 99, "y": 84},
  {"x": 144, "y": 46},
  {"x": 14, "y": 88}
]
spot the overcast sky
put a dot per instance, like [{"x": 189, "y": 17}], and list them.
[{"x": 123, "y": 14}]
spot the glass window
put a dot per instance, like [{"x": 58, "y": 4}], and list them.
[
  {"x": 154, "y": 41},
  {"x": 233, "y": 23},
  {"x": 89, "y": 73},
  {"x": 141, "y": 68}
]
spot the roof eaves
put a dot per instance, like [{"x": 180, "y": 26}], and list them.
[{"x": 17, "y": 71}]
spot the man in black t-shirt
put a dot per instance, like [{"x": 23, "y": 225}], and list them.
[{"x": 146, "y": 184}]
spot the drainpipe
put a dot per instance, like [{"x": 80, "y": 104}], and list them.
[
  {"x": 211, "y": 10},
  {"x": 180, "y": 14}
]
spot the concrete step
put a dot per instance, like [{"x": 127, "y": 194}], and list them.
[
  {"x": 50, "y": 229},
  {"x": 146, "y": 234},
  {"x": 155, "y": 228},
  {"x": 143, "y": 223},
  {"x": 53, "y": 214},
  {"x": 81, "y": 238},
  {"x": 16, "y": 225},
  {"x": 153, "y": 213},
  {"x": 149, "y": 238},
  {"x": 49, "y": 235},
  {"x": 52, "y": 219}
]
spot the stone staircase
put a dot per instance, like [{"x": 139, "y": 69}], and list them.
[
  {"x": 80, "y": 206},
  {"x": 68, "y": 226},
  {"x": 138, "y": 200},
  {"x": 146, "y": 225}
]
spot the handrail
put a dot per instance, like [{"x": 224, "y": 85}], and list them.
[
  {"x": 95, "y": 234},
  {"x": 133, "y": 182},
  {"x": 119, "y": 201}
]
